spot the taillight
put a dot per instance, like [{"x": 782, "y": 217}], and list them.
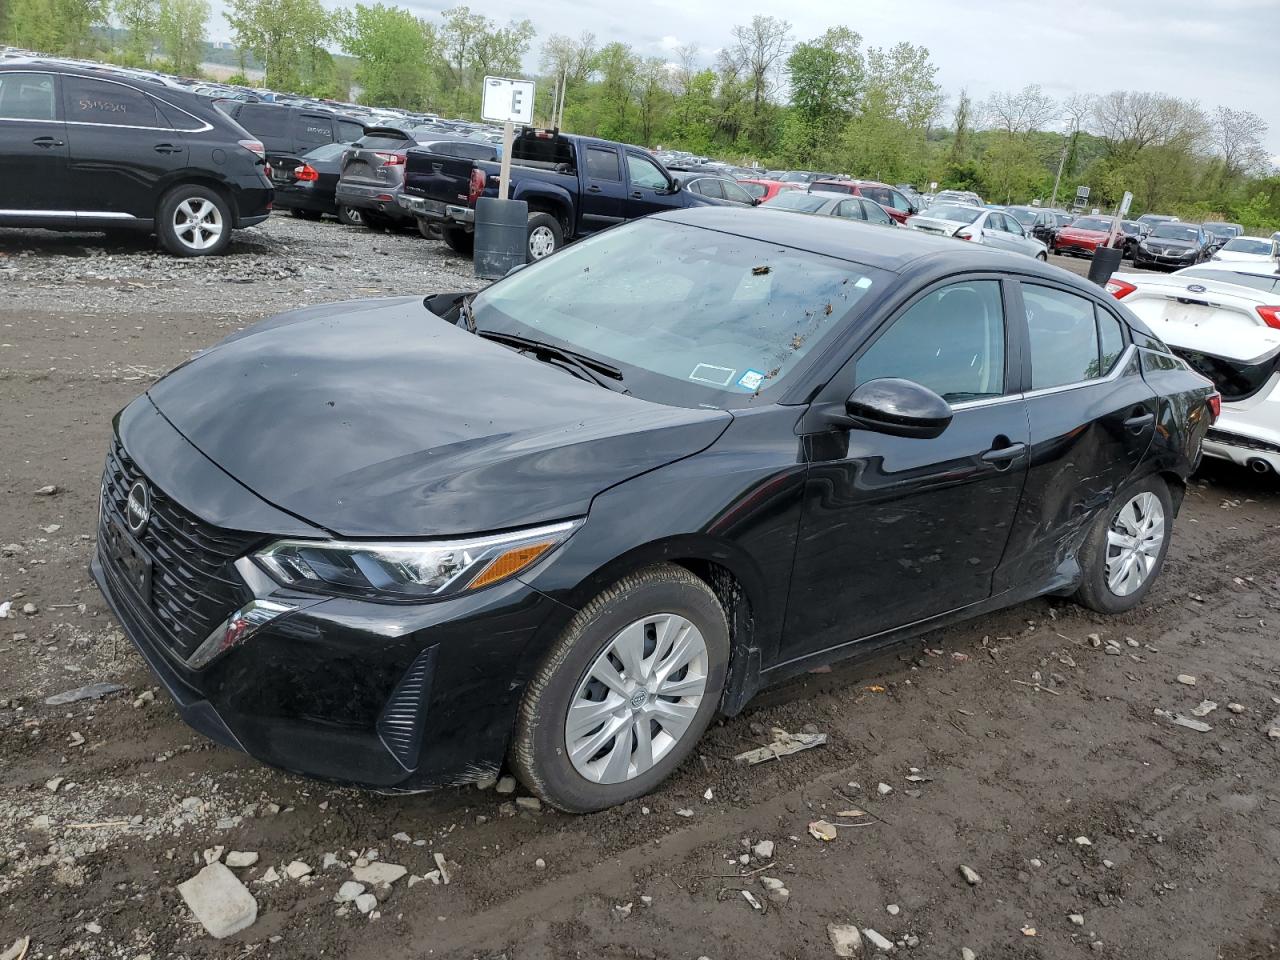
[
  {"x": 391, "y": 159},
  {"x": 476, "y": 187},
  {"x": 255, "y": 147},
  {"x": 1215, "y": 405},
  {"x": 1270, "y": 316},
  {"x": 963, "y": 235},
  {"x": 1119, "y": 289},
  {"x": 306, "y": 173}
]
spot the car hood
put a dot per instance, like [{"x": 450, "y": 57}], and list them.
[
  {"x": 379, "y": 419},
  {"x": 1083, "y": 234},
  {"x": 1173, "y": 242}
]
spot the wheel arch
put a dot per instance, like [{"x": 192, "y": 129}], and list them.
[{"x": 198, "y": 180}]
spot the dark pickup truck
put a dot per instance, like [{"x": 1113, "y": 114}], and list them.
[{"x": 574, "y": 186}]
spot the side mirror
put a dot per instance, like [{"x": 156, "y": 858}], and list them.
[
  {"x": 673, "y": 186},
  {"x": 898, "y": 408},
  {"x": 755, "y": 201}
]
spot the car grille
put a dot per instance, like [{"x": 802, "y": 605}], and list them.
[{"x": 194, "y": 586}]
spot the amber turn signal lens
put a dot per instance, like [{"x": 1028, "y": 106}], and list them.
[{"x": 510, "y": 563}]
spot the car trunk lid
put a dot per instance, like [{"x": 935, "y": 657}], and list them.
[{"x": 377, "y": 158}]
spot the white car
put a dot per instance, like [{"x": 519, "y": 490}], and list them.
[
  {"x": 1246, "y": 250},
  {"x": 991, "y": 228},
  {"x": 1223, "y": 319}
]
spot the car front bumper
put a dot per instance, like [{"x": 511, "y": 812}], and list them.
[
  {"x": 1146, "y": 258},
  {"x": 380, "y": 695}
]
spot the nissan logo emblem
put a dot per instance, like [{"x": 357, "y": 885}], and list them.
[
  {"x": 137, "y": 508},
  {"x": 1196, "y": 288}
]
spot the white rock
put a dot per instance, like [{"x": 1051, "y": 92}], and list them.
[
  {"x": 893, "y": 909},
  {"x": 540, "y": 864},
  {"x": 348, "y": 891},
  {"x": 1206, "y": 707},
  {"x": 623, "y": 910},
  {"x": 220, "y": 901},
  {"x": 684, "y": 812},
  {"x": 403, "y": 838},
  {"x": 970, "y": 875},
  {"x": 967, "y": 954},
  {"x": 270, "y": 876},
  {"x": 708, "y": 795},
  {"x": 529, "y": 803},
  {"x": 846, "y": 939},
  {"x": 506, "y": 785},
  {"x": 1082, "y": 842},
  {"x": 487, "y": 783},
  {"x": 881, "y": 943},
  {"x": 441, "y": 867},
  {"x": 331, "y": 860},
  {"x": 1236, "y": 707},
  {"x": 763, "y": 849},
  {"x": 1036, "y": 862},
  {"x": 297, "y": 870},
  {"x": 750, "y": 897},
  {"x": 433, "y": 877},
  {"x": 241, "y": 858},
  {"x": 53, "y": 785},
  {"x": 1076, "y": 918},
  {"x": 884, "y": 789},
  {"x": 379, "y": 874},
  {"x": 366, "y": 902},
  {"x": 1186, "y": 679},
  {"x": 213, "y": 854}
]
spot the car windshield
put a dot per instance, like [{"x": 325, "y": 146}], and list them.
[
  {"x": 1175, "y": 231},
  {"x": 952, "y": 213},
  {"x": 1024, "y": 217},
  {"x": 1248, "y": 245},
  {"x": 1267, "y": 283},
  {"x": 1097, "y": 224},
  {"x": 798, "y": 201},
  {"x": 706, "y": 315}
]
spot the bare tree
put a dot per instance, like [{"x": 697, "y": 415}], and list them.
[
  {"x": 686, "y": 65},
  {"x": 565, "y": 57},
  {"x": 1019, "y": 112},
  {"x": 1130, "y": 122},
  {"x": 1237, "y": 136},
  {"x": 758, "y": 51}
]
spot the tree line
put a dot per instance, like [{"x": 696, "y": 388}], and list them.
[{"x": 829, "y": 102}]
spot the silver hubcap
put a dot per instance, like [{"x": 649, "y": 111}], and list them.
[
  {"x": 542, "y": 242},
  {"x": 353, "y": 216},
  {"x": 197, "y": 223},
  {"x": 637, "y": 700},
  {"x": 1133, "y": 543}
]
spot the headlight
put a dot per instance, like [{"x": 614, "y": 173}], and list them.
[{"x": 402, "y": 570}]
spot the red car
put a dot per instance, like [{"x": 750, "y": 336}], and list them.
[
  {"x": 764, "y": 190},
  {"x": 1082, "y": 237},
  {"x": 894, "y": 202}
]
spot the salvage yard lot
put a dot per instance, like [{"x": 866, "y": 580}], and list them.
[{"x": 1022, "y": 732}]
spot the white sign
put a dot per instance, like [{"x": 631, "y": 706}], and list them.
[
  {"x": 933, "y": 185},
  {"x": 507, "y": 101},
  {"x": 1126, "y": 203}
]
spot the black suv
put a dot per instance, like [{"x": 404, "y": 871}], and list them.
[
  {"x": 83, "y": 149},
  {"x": 288, "y": 132}
]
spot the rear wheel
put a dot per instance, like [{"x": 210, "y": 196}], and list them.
[
  {"x": 1125, "y": 549},
  {"x": 546, "y": 236},
  {"x": 193, "y": 221},
  {"x": 460, "y": 241},
  {"x": 1042, "y": 257},
  {"x": 351, "y": 216},
  {"x": 625, "y": 692}
]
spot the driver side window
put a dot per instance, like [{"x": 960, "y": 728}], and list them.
[
  {"x": 951, "y": 341},
  {"x": 645, "y": 173}
]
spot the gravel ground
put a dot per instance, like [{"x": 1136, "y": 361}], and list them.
[{"x": 1023, "y": 745}]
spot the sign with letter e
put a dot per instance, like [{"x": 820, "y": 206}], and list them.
[{"x": 507, "y": 100}]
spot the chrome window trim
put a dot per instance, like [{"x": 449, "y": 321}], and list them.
[
  {"x": 988, "y": 401},
  {"x": 1117, "y": 371},
  {"x": 94, "y": 214},
  {"x": 204, "y": 127}
]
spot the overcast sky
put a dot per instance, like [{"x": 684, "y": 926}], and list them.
[{"x": 1214, "y": 51}]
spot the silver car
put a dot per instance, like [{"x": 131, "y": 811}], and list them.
[{"x": 991, "y": 228}]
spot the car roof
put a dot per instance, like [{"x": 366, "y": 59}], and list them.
[
  {"x": 872, "y": 245},
  {"x": 851, "y": 180}
]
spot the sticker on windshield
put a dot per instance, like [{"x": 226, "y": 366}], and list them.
[
  {"x": 751, "y": 380},
  {"x": 707, "y": 373},
  {"x": 863, "y": 282}
]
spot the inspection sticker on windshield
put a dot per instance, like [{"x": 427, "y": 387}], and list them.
[
  {"x": 708, "y": 373},
  {"x": 751, "y": 379}
]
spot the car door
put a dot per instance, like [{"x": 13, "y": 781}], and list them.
[
  {"x": 895, "y": 530},
  {"x": 995, "y": 233},
  {"x": 734, "y": 193},
  {"x": 1092, "y": 417},
  {"x": 604, "y": 198},
  {"x": 872, "y": 212},
  {"x": 121, "y": 149},
  {"x": 33, "y": 146},
  {"x": 650, "y": 190},
  {"x": 1019, "y": 242},
  {"x": 850, "y": 209}
]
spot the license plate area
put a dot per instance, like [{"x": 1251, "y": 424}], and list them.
[{"x": 127, "y": 557}]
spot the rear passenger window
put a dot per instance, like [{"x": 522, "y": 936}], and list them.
[
  {"x": 850, "y": 210},
  {"x": 1111, "y": 339},
  {"x": 1063, "y": 335},
  {"x": 349, "y": 132},
  {"x": 603, "y": 164},
  {"x": 951, "y": 341},
  {"x": 114, "y": 104},
  {"x": 27, "y": 96}
]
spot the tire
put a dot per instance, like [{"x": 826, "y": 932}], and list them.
[
  {"x": 546, "y": 236},
  {"x": 1042, "y": 257},
  {"x": 460, "y": 241},
  {"x": 375, "y": 222},
  {"x": 1095, "y": 591},
  {"x": 351, "y": 216},
  {"x": 193, "y": 221},
  {"x": 429, "y": 230},
  {"x": 662, "y": 597},
  {"x": 306, "y": 214}
]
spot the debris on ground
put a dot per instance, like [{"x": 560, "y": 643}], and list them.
[
  {"x": 877, "y": 940},
  {"x": 783, "y": 744},
  {"x": 1186, "y": 679},
  {"x": 94, "y": 691},
  {"x": 379, "y": 874},
  {"x": 846, "y": 939},
  {"x": 763, "y": 850},
  {"x": 970, "y": 875},
  {"x": 1177, "y": 719},
  {"x": 748, "y": 896},
  {"x": 219, "y": 901},
  {"x": 823, "y": 830},
  {"x": 1205, "y": 708}
]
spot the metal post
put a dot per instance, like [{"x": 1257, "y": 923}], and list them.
[
  {"x": 1058, "y": 179},
  {"x": 504, "y": 176}
]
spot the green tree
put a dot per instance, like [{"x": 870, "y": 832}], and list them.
[
  {"x": 288, "y": 36},
  {"x": 397, "y": 54},
  {"x": 827, "y": 77},
  {"x": 55, "y": 26},
  {"x": 140, "y": 19},
  {"x": 181, "y": 26}
]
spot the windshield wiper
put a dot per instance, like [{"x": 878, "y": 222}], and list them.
[{"x": 586, "y": 367}]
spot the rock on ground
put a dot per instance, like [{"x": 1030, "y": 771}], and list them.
[
  {"x": 846, "y": 939},
  {"x": 220, "y": 901}
]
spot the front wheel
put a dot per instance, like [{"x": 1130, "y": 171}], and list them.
[
  {"x": 546, "y": 236},
  {"x": 193, "y": 221},
  {"x": 625, "y": 692},
  {"x": 1125, "y": 549},
  {"x": 1042, "y": 257}
]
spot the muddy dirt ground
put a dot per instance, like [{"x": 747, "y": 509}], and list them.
[{"x": 1024, "y": 745}]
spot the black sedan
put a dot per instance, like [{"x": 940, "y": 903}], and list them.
[
  {"x": 1173, "y": 244},
  {"x": 719, "y": 190},
  {"x": 831, "y": 205},
  {"x": 568, "y": 521},
  {"x": 306, "y": 185}
]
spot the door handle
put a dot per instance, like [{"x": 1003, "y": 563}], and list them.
[
  {"x": 1003, "y": 456},
  {"x": 637, "y": 195},
  {"x": 593, "y": 189},
  {"x": 48, "y": 142},
  {"x": 1140, "y": 421},
  {"x": 167, "y": 148}
]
